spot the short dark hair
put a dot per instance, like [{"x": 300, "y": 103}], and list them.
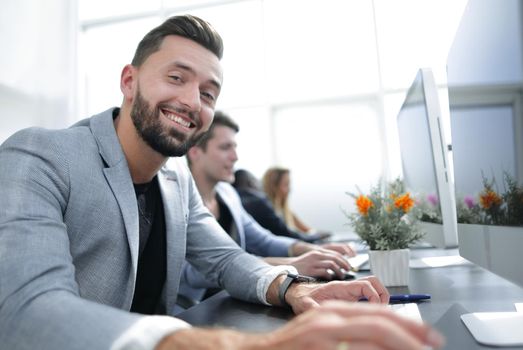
[
  {"x": 245, "y": 180},
  {"x": 187, "y": 26},
  {"x": 220, "y": 119}
]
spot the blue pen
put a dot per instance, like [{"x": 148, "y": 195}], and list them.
[
  {"x": 405, "y": 297},
  {"x": 409, "y": 297}
]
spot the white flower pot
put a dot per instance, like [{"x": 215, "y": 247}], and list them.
[{"x": 390, "y": 266}]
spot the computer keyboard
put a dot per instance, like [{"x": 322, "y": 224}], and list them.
[
  {"x": 409, "y": 310},
  {"x": 357, "y": 261}
]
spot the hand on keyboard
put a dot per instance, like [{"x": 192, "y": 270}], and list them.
[
  {"x": 347, "y": 276},
  {"x": 357, "y": 325},
  {"x": 357, "y": 261}
]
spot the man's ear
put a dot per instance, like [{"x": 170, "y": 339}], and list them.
[
  {"x": 128, "y": 81},
  {"x": 193, "y": 153}
]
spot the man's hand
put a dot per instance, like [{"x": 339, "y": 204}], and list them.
[
  {"x": 342, "y": 248},
  {"x": 318, "y": 263},
  {"x": 331, "y": 326},
  {"x": 304, "y": 296},
  {"x": 355, "y": 326},
  {"x": 209, "y": 339}
]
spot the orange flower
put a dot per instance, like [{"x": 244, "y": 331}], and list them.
[
  {"x": 364, "y": 204},
  {"x": 489, "y": 198},
  {"x": 404, "y": 202}
]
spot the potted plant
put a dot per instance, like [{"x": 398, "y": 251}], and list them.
[
  {"x": 388, "y": 222},
  {"x": 495, "y": 210},
  {"x": 492, "y": 206}
]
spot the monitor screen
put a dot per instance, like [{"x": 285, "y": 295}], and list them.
[
  {"x": 485, "y": 84},
  {"x": 424, "y": 160},
  {"x": 418, "y": 166},
  {"x": 485, "y": 81}
]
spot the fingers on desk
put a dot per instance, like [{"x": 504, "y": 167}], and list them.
[{"x": 361, "y": 326}]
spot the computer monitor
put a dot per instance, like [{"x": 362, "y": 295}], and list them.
[
  {"x": 425, "y": 160},
  {"x": 485, "y": 84}
]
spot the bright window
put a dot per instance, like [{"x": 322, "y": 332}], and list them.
[
  {"x": 100, "y": 9},
  {"x": 243, "y": 55},
  {"x": 330, "y": 149},
  {"x": 104, "y": 52},
  {"x": 324, "y": 50},
  {"x": 313, "y": 84}
]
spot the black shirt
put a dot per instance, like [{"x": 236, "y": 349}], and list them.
[
  {"x": 226, "y": 220},
  {"x": 152, "y": 261}
]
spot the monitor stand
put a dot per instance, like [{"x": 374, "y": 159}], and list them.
[{"x": 495, "y": 328}]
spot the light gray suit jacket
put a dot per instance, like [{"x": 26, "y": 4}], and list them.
[
  {"x": 251, "y": 237},
  {"x": 69, "y": 238}
]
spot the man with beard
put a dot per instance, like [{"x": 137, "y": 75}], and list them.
[{"x": 94, "y": 229}]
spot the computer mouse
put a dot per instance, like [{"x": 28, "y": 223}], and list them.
[{"x": 349, "y": 275}]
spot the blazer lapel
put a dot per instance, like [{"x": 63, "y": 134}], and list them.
[
  {"x": 120, "y": 181},
  {"x": 176, "y": 228},
  {"x": 119, "y": 178}
]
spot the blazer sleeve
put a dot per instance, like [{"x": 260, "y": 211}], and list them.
[
  {"x": 216, "y": 256},
  {"x": 262, "y": 242},
  {"x": 258, "y": 240},
  {"x": 193, "y": 285},
  {"x": 40, "y": 304},
  {"x": 192, "y": 277}
]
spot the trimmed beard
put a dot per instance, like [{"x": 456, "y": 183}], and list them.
[{"x": 168, "y": 142}]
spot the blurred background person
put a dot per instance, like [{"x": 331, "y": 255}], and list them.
[
  {"x": 256, "y": 203},
  {"x": 277, "y": 186}
]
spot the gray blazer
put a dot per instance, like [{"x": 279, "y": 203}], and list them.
[
  {"x": 69, "y": 238},
  {"x": 251, "y": 237}
]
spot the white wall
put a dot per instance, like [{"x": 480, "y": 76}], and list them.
[{"x": 37, "y": 76}]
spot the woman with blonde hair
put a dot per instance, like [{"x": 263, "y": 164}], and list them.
[{"x": 276, "y": 184}]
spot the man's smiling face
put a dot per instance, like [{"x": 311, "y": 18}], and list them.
[{"x": 175, "y": 95}]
